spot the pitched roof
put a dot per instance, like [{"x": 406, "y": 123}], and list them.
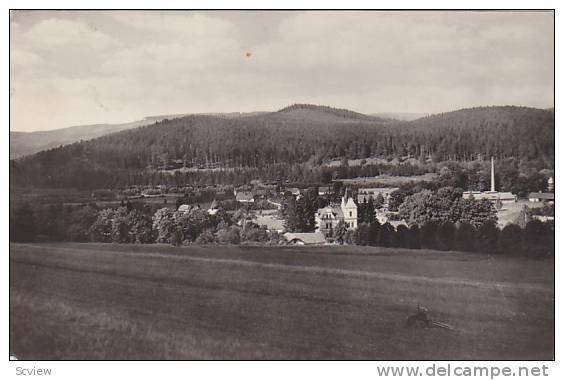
[
  {"x": 334, "y": 211},
  {"x": 350, "y": 203},
  {"x": 307, "y": 237}
]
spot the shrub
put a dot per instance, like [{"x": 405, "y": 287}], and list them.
[
  {"x": 402, "y": 236},
  {"x": 363, "y": 234},
  {"x": 386, "y": 235},
  {"x": 486, "y": 237},
  {"x": 164, "y": 225},
  {"x": 465, "y": 237},
  {"x": 446, "y": 236},
  {"x": 374, "y": 232},
  {"x": 229, "y": 235},
  {"x": 539, "y": 238},
  {"x": 79, "y": 221},
  {"x": 428, "y": 235},
  {"x": 206, "y": 237},
  {"x": 22, "y": 223},
  {"x": 101, "y": 230},
  {"x": 253, "y": 232},
  {"x": 510, "y": 239},
  {"x": 339, "y": 232},
  {"x": 414, "y": 237},
  {"x": 351, "y": 237}
]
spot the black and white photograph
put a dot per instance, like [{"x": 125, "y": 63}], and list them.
[{"x": 281, "y": 185}]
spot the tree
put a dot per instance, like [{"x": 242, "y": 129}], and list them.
[
  {"x": 510, "y": 239},
  {"x": 192, "y": 223},
  {"x": 402, "y": 236},
  {"x": 465, "y": 237},
  {"x": 428, "y": 234},
  {"x": 446, "y": 236},
  {"x": 120, "y": 226},
  {"x": 446, "y": 206},
  {"x": 79, "y": 221},
  {"x": 165, "y": 226},
  {"x": 253, "y": 232},
  {"x": 366, "y": 211},
  {"x": 486, "y": 237},
  {"x": 422, "y": 207},
  {"x": 475, "y": 212},
  {"x": 351, "y": 237},
  {"x": 386, "y": 236},
  {"x": 339, "y": 232},
  {"x": 396, "y": 198},
  {"x": 539, "y": 238},
  {"x": 363, "y": 234},
  {"x": 374, "y": 234},
  {"x": 22, "y": 223},
  {"x": 102, "y": 230},
  {"x": 379, "y": 201},
  {"x": 414, "y": 238},
  {"x": 140, "y": 227},
  {"x": 229, "y": 235},
  {"x": 206, "y": 237},
  {"x": 290, "y": 214},
  {"x": 50, "y": 221}
]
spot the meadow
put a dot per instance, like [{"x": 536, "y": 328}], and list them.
[{"x": 106, "y": 301}]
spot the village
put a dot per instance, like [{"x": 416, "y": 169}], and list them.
[{"x": 263, "y": 203}]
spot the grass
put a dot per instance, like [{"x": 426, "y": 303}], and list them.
[{"x": 104, "y": 301}]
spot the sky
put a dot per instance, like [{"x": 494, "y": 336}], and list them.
[{"x": 90, "y": 67}]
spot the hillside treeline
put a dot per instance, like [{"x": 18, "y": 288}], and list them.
[{"x": 278, "y": 143}]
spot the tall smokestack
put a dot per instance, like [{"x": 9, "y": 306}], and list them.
[{"x": 493, "y": 177}]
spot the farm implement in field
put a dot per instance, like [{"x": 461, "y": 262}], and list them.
[{"x": 421, "y": 319}]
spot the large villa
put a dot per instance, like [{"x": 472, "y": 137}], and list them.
[{"x": 327, "y": 218}]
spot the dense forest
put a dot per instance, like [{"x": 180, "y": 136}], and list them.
[{"x": 274, "y": 145}]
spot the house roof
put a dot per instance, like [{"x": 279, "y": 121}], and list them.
[
  {"x": 376, "y": 190},
  {"x": 244, "y": 196},
  {"x": 306, "y": 238},
  {"x": 489, "y": 195},
  {"x": 547, "y": 196},
  {"x": 184, "y": 208}
]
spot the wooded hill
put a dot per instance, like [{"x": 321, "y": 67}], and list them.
[{"x": 293, "y": 135}]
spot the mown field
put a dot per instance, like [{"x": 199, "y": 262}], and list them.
[{"x": 104, "y": 301}]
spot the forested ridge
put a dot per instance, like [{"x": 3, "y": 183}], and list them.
[{"x": 291, "y": 136}]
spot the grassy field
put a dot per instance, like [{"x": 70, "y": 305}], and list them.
[{"x": 104, "y": 301}]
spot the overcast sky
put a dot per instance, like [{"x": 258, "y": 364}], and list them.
[{"x": 73, "y": 68}]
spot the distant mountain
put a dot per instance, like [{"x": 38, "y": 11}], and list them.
[
  {"x": 400, "y": 116},
  {"x": 25, "y": 143},
  {"x": 324, "y": 114},
  {"x": 271, "y": 145}
]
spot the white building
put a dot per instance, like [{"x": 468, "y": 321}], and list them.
[
  {"x": 327, "y": 218},
  {"x": 366, "y": 193}
]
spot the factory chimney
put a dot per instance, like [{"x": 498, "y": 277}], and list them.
[{"x": 493, "y": 177}]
